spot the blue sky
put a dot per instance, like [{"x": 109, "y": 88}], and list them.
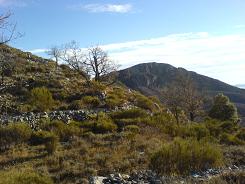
[{"x": 207, "y": 36}]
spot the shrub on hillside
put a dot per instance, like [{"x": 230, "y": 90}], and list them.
[
  {"x": 129, "y": 114},
  {"x": 49, "y": 139},
  {"x": 115, "y": 98},
  {"x": 95, "y": 88},
  {"x": 121, "y": 123},
  {"x": 100, "y": 124},
  {"x": 227, "y": 131},
  {"x": 183, "y": 156},
  {"x": 51, "y": 144},
  {"x": 229, "y": 127},
  {"x": 91, "y": 101},
  {"x": 144, "y": 102},
  {"x": 132, "y": 128},
  {"x": 39, "y": 137},
  {"x": 241, "y": 134},
  {"x": 76, "y": 105},
  {"x": 214, "y": 127},
  {"x": 196, "y": 130},
  {"x": 63, "y": 131},
  {"x": 20, "y": 132},
  {"x": 15, "y": 176},
  {"x": 166, "y": 123},
  {"x": 113, "y": 101},
  {"x": 25, "y": 108},
  {"x": 230, "y": 139},
  {"x": 41, "y": 99},
  {"x": 14, "y": 134},
  {"x": 223, "y": 109}
]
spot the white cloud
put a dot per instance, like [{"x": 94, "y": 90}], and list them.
[
  {"x": 221, "y": 57},
  {"x": 100, "y": 8},
  {"x": 38, "y": 51}
]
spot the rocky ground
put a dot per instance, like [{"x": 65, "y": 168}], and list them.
[{"x": 149, "y": 177}]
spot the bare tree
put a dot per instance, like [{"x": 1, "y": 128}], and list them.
[
  {"x": 92, "y": 62},
  {"x": 182, "y": 95},
  {"x": 98, "y": 63},
  {"x": 192, "y": 99},
  {"x": 173, "y": 100},
  {"x": 74, "y": 56},
  {"x": 7, "y": 29},
  {"x": 55, "y": 53}
]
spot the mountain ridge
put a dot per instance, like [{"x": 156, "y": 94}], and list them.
[{"x": 151, "y": 78}]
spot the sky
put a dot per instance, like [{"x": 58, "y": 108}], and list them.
[{"x": 205, "y": 36}]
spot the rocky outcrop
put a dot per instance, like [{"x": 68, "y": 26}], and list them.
[
  {"x": 149, "y": 177},
  {"x": 134, "y": 178}
]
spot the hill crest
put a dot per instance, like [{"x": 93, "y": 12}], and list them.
[{"x": 151, "y": 78}]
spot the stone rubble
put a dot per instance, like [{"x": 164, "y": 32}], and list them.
[
  {"x": 149, "y": 177},
  {"x": 33, "y": 119},
  {"x": 66, "y": 116}
]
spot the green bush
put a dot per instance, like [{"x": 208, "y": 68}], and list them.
[
  {"x": 223, "y": 109},
  {"x": 91, "y": 101},
  {"x": 166, "y": 123},
  {"x": 132, "y": 128},
  {"x": 126, "y": 122},
  {"x": 229, "y": 127},
  {"x": 20, "y": 132},
  {"x": 144, "y": 102},
  {"x": 183, "y": 156},
  {"x": 51, "y": 144},
  {"x": 196, "y": 130},
  {"x": 15, "y": 176},
  {"x": 134, "y": 116},
  {"x": 76, "y": 105},
  {"x": 40, "y": 137},
  {"x": 49, "y": 139},
  {"x": 241, "y": 134},
  {"x": 129, "y": 114},
  {"x": 115, "y": 98},
  {"x": 41, "y": 99},
  {"x": 63, "y": 131},
  {"x": 14, "y": 133},
  {"x": 228, "y": 131},
  {"x": 230, "y": 139},
  {"x": 214, "y": 127},
  {"x": 100, "y": 124},
  {"x": 25, "y": 108},
  {"x": 113, "y": 101},
  {"x": 95, "y": 88}
]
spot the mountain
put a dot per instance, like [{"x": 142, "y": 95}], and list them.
[{"x": 151, "y": 78}]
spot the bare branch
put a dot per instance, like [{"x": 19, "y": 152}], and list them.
[
  {"x": 99, "y": 63},
  {"x": 7, "y": 29},
  {"x": 75, "y": 58}
]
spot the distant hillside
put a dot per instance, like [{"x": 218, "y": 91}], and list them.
[{"x": 150, "y": 78}]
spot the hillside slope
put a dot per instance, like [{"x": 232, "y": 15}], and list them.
[
  {"x": 22, "y": 73},
  {"x": 151, "y": 78},
  {"x": 55, "y": 128}
]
